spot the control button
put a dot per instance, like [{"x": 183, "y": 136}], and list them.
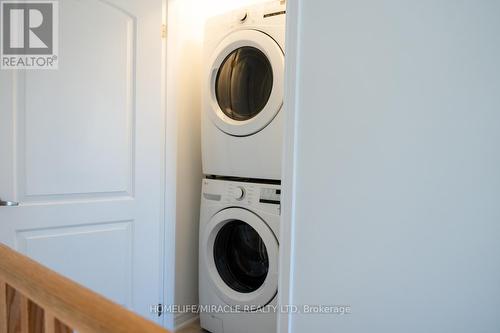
[{"x": 239, "y": 193}]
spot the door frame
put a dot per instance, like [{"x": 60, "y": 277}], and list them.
[
  {"x": 288, "y": 181},
  {"x": 287, "y": 224},
  {"x": 170, "y": 184}
]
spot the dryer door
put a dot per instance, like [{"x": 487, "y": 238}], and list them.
[
  {"x": 245, "y": 83},
  {"x": 242, "y": 258}
]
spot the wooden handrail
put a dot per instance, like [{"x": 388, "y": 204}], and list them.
[{"x": 46, "y": 299}]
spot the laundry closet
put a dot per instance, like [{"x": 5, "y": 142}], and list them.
[{"x": 225, "y": 87}]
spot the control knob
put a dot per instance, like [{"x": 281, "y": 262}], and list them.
[{"x": 239, "y": 193}]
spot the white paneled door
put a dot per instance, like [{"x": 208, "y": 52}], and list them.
[{"x": 81, "y": 150}]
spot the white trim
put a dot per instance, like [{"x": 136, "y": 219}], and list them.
[
  {"x": 287, "y": 251},
  {"x": 170, "y": 181},
  {"x": 163, "y": 230}
]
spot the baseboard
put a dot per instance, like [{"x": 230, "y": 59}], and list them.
[{"x": 184, "y": 319}]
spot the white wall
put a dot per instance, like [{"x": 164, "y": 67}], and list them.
[
  {"x": 186, "y": 19},
  {"x": 398, "y": 165}
]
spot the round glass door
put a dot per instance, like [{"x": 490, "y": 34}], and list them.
[
  {"x": 240, "y": 257},
  {"x": 245, "y": 83}
]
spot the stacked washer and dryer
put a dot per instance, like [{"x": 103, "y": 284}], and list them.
[{"x": 242, "y": 121}]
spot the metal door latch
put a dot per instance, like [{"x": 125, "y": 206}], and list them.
[{"x": 8, "y": 203}]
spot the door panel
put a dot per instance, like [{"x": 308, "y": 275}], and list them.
[
  {"x": 81, "y": 149},
  {"x": 82, "y": 142},
  {"x": 69, "y": 242}
]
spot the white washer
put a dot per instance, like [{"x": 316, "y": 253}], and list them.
[
  {"x": 243, "y": 87},
  {"x": 238, "y": 256}
]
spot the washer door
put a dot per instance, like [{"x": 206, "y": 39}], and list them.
[
  {"x": 245, "y": 83},
  {"x": 242, "y": 258}
]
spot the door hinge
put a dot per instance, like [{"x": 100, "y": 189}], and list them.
[
  {"x": 160, "y": 309},
  {"x": 163, "y": 31}
]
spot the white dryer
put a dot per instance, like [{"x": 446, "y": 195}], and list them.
[
  {"x": 243, "y": 87},
  {"x": 238, "y": 256}
]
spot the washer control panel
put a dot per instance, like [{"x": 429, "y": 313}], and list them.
[
  {"x": 241, "y": 193},
  {"x": 270, "y": 195}
]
